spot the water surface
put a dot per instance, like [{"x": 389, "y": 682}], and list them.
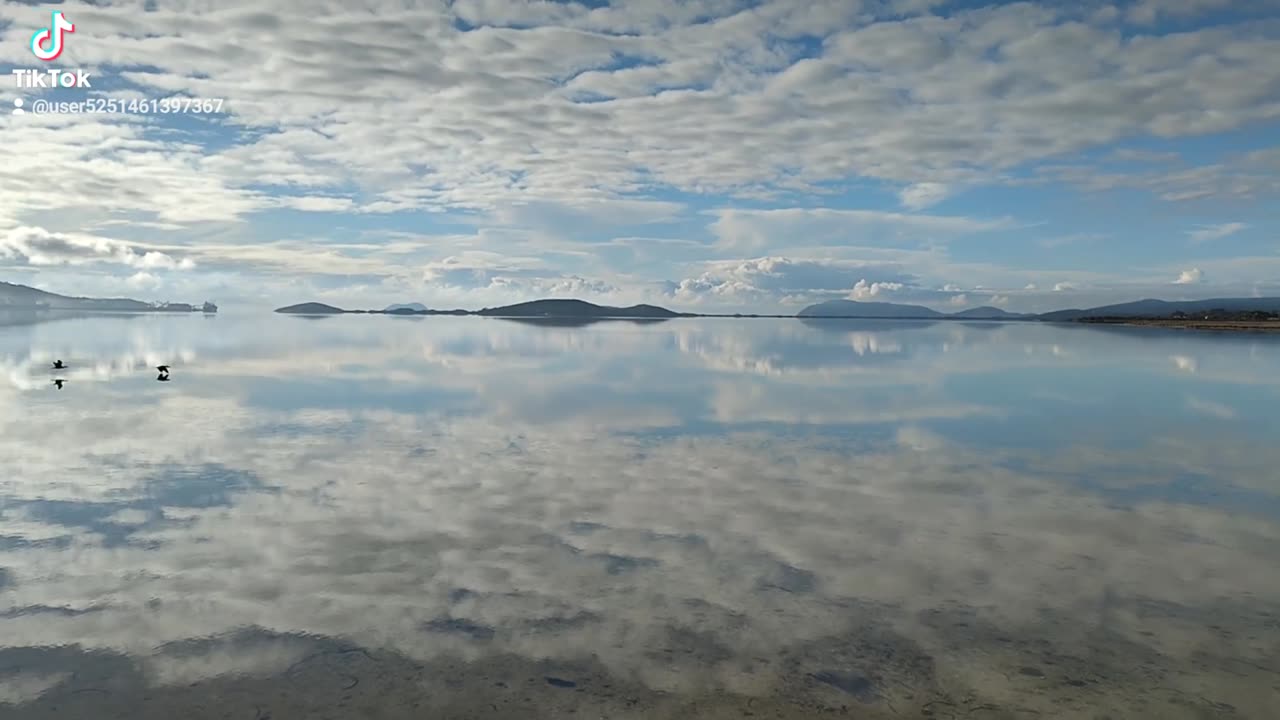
[{"x": 466, "y": 517}]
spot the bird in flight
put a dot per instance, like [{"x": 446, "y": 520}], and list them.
[
  {"x": 59, "y": 383},
  {"x": 163, "y": 368},
  {"x": 163, "y": 377},
  {"x": 57, "y": 365}
]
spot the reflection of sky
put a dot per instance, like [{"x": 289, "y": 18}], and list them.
[{"x": 472, "y": 486}]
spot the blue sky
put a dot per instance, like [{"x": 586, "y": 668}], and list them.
[{"x": 704, "y": 155}]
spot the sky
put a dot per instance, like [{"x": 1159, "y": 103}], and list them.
[{"x": 704, "y": 155}]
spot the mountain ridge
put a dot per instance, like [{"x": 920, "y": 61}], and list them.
[
  {"x": 1145, "y": 308},
  {"x": 576, "y": 308},
  {"x": 988, "y": 312},
  {"x": 406, "y": 308},
  {"x": 311, "y": 308},
  {"x": 1152, "y": 307},
  {"x": 24, "y": 297},
  {"x": 869, "y": 310},
  {"x": 14, "y": 296}
]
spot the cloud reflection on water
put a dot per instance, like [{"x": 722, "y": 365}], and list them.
[{"x": 514, "y": 500}]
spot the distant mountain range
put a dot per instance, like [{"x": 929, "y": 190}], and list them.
[
  {"x": 851, "y": 309},
  {"x": 576, "y": 308},
  {"x": 406, "y": 309},
  {"x": 311, "y": 308},
  {"x": 533, "y": 309},
  {"x": 1163, "y": 308},
  {"x": 1138, "y": 309},
  {"x": 986, "y": 312},
  {"x": 21, "y": 297},
  {"x": 858, "y": 309}
]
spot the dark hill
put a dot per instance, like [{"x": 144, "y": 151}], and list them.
[
  {"x": 21, "y": 297},
  {"x": 987, "y": 312},
  {"x": 856, "y": 309},
  {"x": 1151, "y": 308},
  {"x": 311, "y": 308},
  {"x": 576, "y": 309}
]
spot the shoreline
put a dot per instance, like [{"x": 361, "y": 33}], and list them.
[{"x": 1257, "y": 326}]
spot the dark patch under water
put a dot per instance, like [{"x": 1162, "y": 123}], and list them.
[
  {"x": 622, "y": 564},
  {"x": 790, "y": 579},
  {"x": 461, "y": 627},
  {"x": 859, "y": 686}
]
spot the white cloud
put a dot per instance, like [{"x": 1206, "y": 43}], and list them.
[
  {"x": 1211, "y": 408},
  {"x": 1146, "y": 12},
  {"x": 316, "y": 203},
  {"x": 143, "y": 281},
  {"x": 780, "y": 276},
  {"x": 757, "y": 229},
  {"x": 560, "y": 119},
  {"x": 1206, "y": 233},
  {"x": 922, "y": 195},
  {"x": 840, "y": 115},
  {"x": 1238, "y": 177},
  {"x": 40, "y": 247},
  {"x": 911, "y": 7},
  {"x": 1194, "y": 276},
  {"x": 1064, "y": 286},
  {"x": 863, "y": 290},
  {"x": 1065, "y": 240},
  {"x": 489, "y": 278}
]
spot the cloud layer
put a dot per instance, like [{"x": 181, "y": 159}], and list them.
[{"x": 812, "y": 131}]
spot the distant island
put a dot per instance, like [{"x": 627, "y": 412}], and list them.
[
  {"x": 535, "y": 309},
  {"x": 1257, "y": 314},
  {"x": 311, "y": 308},
  {"x": 21, "y": 298},
  {"x": 576, "y": 308},
  {"x": 1216, "y": 314},
  {"x": 406, "y": 309}
]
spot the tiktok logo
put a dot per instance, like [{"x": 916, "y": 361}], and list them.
[{"x": 51, "y": 37}]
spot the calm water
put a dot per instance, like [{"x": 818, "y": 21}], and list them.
[{"x": 471, "y": 518}]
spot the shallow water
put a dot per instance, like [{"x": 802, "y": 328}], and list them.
[{"x": 470, "y": 518}]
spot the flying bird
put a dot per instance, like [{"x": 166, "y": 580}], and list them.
[
  {"x": 163, "y": 368},
  {"x": 162, "y": 377},
  {"x": 57, "y": 365},
  {"x": 59, "y": 383}
]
